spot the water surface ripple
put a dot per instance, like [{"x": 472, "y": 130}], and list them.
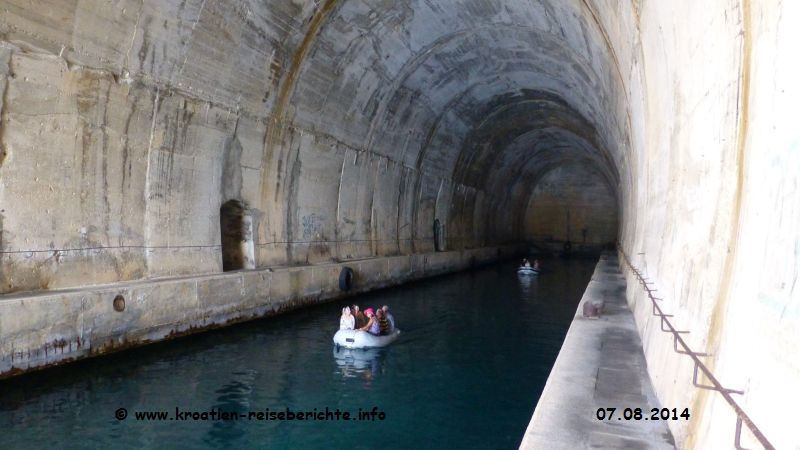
[{"x": 475, "y": 351}]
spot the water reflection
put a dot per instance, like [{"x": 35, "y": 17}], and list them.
[
  {"x": 233, "y": 397},
  {"x": 469, "y": 340},
  {"x": 527, "y": 285},
  {"x": 366, "y": 363}
]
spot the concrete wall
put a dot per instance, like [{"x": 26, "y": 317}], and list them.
[
  {"x": 48, "y": 328},
  {"x": 707, "y": 217},
  {"x": 572, "y": 203},
  {"x": 126, "y": 126},
  {"x": 348, "y": 127}
]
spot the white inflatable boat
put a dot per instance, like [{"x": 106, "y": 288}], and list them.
[
  {"x": 527, "y": 271},
  {"x": 362, "y": 339}
]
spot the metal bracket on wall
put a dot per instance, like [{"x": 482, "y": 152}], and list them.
[
  {"x": 666, "y": 326},
  {"x": 675, "y": 346},
  {"x": 712, "y": 388}
]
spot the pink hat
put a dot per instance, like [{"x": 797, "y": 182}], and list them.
[{"x": 369, "y": 312}]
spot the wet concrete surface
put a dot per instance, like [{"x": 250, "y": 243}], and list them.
[{"x": 600, "y": 365}]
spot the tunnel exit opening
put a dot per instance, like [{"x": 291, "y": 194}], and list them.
[{"x": 236, "y": 228}]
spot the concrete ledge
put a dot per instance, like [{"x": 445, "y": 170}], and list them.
[
  {"x": 41, "y": 329},
  {"x": 600, "y": 365}
]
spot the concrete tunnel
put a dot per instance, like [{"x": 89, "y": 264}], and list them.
[{"x": 403, "y": 139}]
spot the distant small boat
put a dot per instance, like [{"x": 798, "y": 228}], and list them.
[
  {"x": 527, "y": 271},
  {"x": 363, "y": 339}
]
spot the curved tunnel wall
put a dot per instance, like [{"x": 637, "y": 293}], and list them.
[{"x": 347, "y": 127}]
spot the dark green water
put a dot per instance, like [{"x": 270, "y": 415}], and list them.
[{"x": 475, "y": 351}]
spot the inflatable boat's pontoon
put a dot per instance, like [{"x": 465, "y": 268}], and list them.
[{"x": 362, "y": 339}]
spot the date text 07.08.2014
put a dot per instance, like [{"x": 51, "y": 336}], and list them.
[{"x": 639, "y": 414}]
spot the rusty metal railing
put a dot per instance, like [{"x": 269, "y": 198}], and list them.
[{"x": 741, "y": 416}]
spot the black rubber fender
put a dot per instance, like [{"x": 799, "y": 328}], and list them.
[
  {"x": 346, "y": 278},
  {"x": 567, "y": 246}
]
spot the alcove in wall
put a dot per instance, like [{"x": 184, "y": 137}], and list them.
[{"x": 236, "y": 228}]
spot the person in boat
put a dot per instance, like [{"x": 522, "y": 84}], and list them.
[
  {"x": 361, "y": 320},
  {"x": 372, "y": 325},
  {"x": 347, "y": 321},
  {"x": 383, "y": 323},
  {"x": 389, "y": 317},
  {"x": 525, "y": 262},
  {"x": 536, "y": 265}
]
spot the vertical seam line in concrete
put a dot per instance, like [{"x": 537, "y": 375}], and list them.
[
  {"x": 339, "y": 203},
  {"x": 126, "y": 65},
  {"x": 726, "y": 282},
  {"x": 191, "y": 35},
  {"x": 610, "y": 47},
  {"x": 715, "y": 330},
  {"x": 286, "y": 89},
  {"x": 613, "y": 53},
  {"x": 147, "y": 181}
]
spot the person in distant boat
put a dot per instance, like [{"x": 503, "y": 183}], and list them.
[
  {"x": 372, "y": 325},
  {"x": 389, "y": 317},
  {"x": 536, "y": 265},
  {"x": 383, "y": 324},
  {"x": 361, "y": 320},
  {"x": 347, "y": 321},
  {"x": 525, "y": 262}
]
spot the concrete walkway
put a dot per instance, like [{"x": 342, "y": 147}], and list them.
[{"x": 601, "y": 365}]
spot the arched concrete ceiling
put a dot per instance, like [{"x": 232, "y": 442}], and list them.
[
  {"x": 485, "y": 95},
  {"x": 348, "y": 126}
]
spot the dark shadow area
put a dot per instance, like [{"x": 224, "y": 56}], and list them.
[{"x": 236, "y": 227}]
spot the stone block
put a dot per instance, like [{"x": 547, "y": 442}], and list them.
[{"x": 592, "y": 309}]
